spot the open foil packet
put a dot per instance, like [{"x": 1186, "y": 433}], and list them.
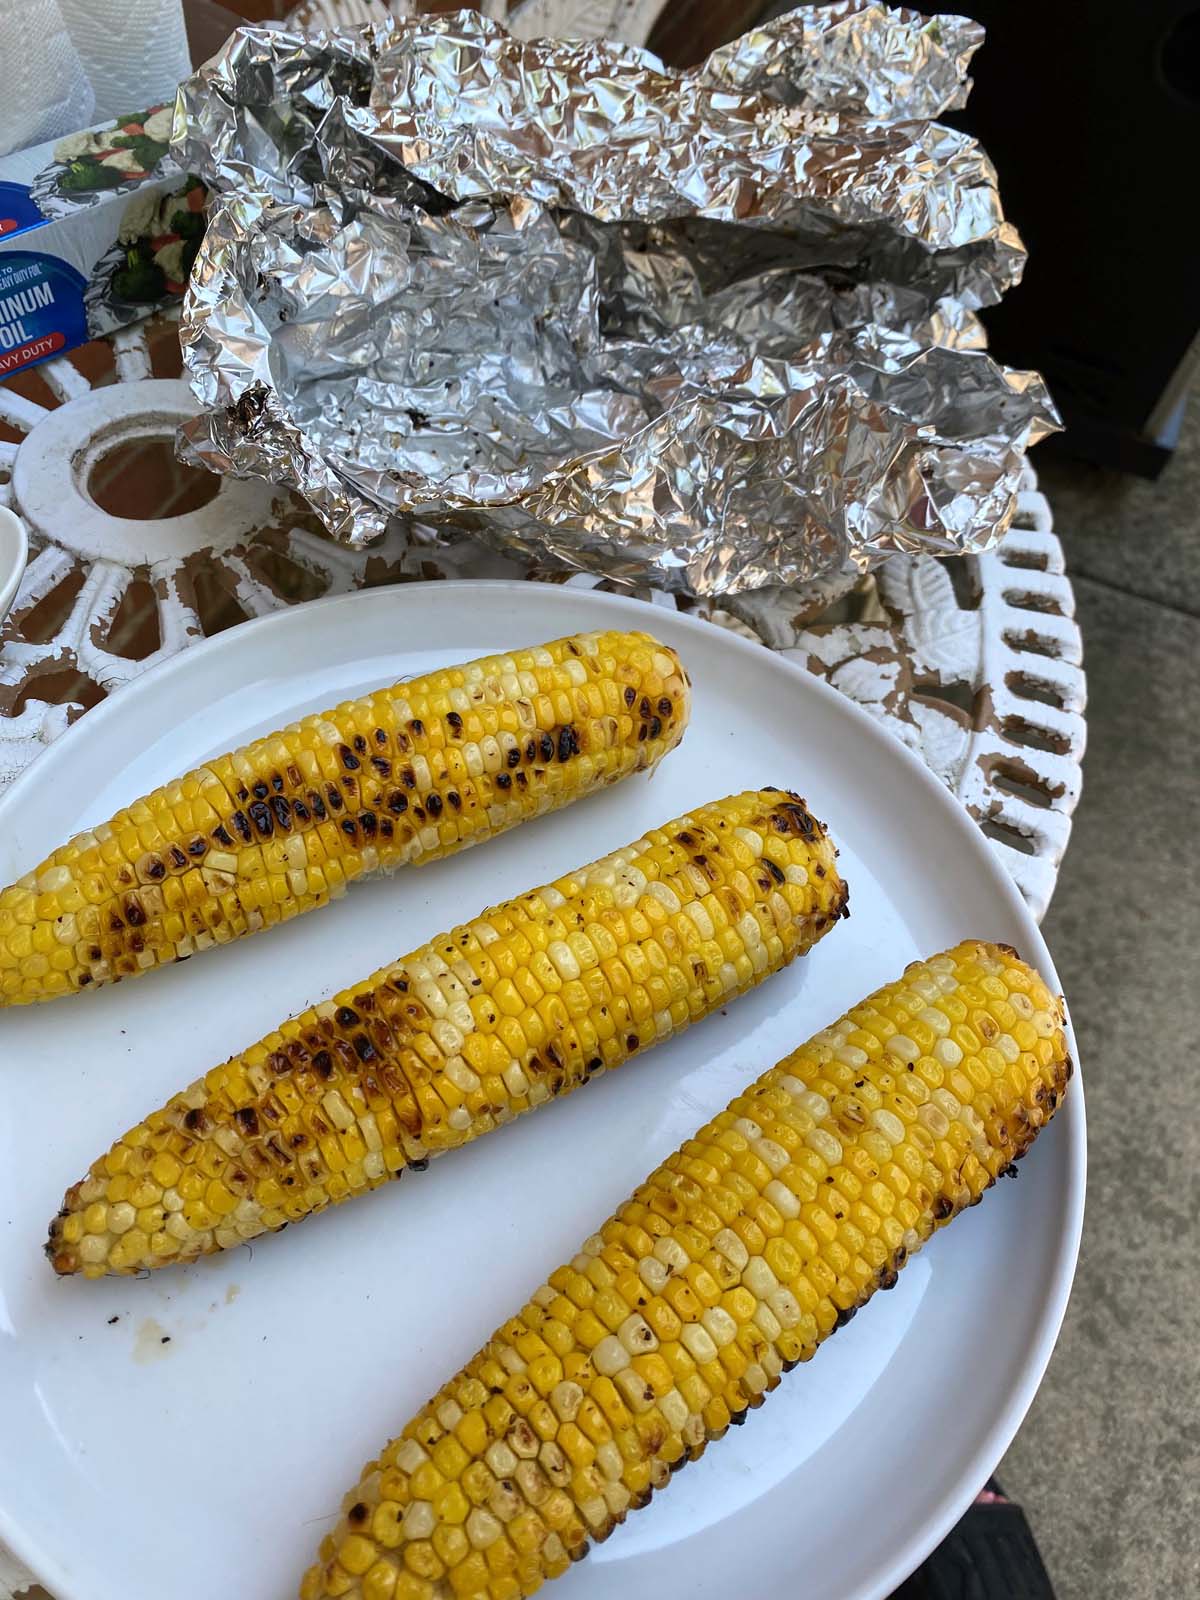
[{"x": 710, "y": 330}]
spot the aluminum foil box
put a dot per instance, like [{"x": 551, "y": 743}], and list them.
[{"x": 96, "y": 230}]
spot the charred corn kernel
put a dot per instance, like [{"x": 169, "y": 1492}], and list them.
[
  {"x": 292, "y": 1110},
  {"x": 280, "y": 826},
  {"x": 639, "y": 1404}
]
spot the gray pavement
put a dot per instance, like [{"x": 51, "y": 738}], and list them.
[{"x": 1107, "y": 1464}]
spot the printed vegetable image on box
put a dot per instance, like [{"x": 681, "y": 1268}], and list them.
[
  {"x": 96, "y": 230},
  {"x": 53, "y": 180},
  {"x": 149, "y": 262}
]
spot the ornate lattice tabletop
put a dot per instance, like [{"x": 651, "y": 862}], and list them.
[{"x": 974, "y": 663}]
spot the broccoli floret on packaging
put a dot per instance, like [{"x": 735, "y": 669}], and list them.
[
  {"x": 149, "y": 152},
  {"x": 140, "y": 279},
  {"x": 83, "y": 175}
]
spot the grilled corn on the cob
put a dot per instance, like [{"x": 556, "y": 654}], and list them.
[
  {"x": 731, "y": 1263},
  {"x": 404, "y": 775},
  {"x": 480, "y": 1024}
]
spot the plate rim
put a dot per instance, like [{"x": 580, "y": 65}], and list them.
[{"x": 994, "y": 1441}]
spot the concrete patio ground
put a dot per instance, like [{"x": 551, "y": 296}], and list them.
[{"x": 1107, "y": 1464}]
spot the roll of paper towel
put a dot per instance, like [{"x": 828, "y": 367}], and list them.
[
  {"x": 46, "y": 91},
  {"x": 67, "y": 64},
  {"x": 134, "y": 51}
]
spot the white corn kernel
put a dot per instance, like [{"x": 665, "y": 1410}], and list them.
[
  {"x": 719, "y": 1325},
  {"x": 697, "y": 1342},
  {"x": 731, "y": 1247},
  {"x": 766, "y": 1321},
  {"x": 671, "y": 1253},
  {"x": 758, "y": 1277},
  {"x": 636, "y": 1334},
  {"x": 653, "y": 1274},
  {"x": 336, "y": 1109},
  {"x": 889, "y": 1126},
  {"x": 782, "y": 1198},
  {"x": 482, "y": 1528},
  {"x": 565, "y": 1401},
  {"x": 771, "y": 1154},
  {"x": 634, "y": 1390},
  {"x": 674, "y": 1409},
  {"x": 419, "y": 1520},
  {"x": 785, "y": 1306},
  {"x": 826, "y": 1146},
  {"x": 610, "y": 1356},
  {"x": 500, "y": 1459}
]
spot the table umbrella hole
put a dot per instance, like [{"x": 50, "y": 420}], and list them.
[{"x": 140, "y": 480}]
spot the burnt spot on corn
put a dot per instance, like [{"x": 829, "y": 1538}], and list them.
[
  {"x": 177, "y": 858},
  {"x": 197, "y": 847},
  {"x": 397, "y": 802},
  {"x": 943, "y": 1208},
  {"x": 135, "y": 915},
  {"x": 241, "y": 826},
  {"x": 260, "y": 816},
  {"x": 793, "y": 819},
  {"x": 247, "y": 1120},
  {"x": 433, "y": 804},
  {"x": 301, "y": 812},
  {"x": 417, "y": 728},
  {"x": 348, "y": 759},
  {"x": 455, "y": 799},
  {"x": 195, "y": 1120},
  {"x": 334, "y": 796},
  {"x": 503, "y": 781},
  {"x": 360, "y": 744},
  {"x": 323, "y": 1064},
  {"x": 347, "y": 1017},
  {"x": 222, "y": 836},
  {"x": 317, "y": 805},
  {"x": 408, "y": 778},
  {"x": 363, "y": 1047},
  {"x": 369, "y": 824},
  {"x": 776, "y": 872},
  {"x": 382, "y": 766},
  {"x": 349, "y": 827},
  {"x": 259, "y": 789}
]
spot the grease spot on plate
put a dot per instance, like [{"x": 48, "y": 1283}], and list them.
[
  {"x": 232, "y": 1293},
  {"x": 152, "y": 1343}
]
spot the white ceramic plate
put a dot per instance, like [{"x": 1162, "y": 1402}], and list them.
[
  {"x": 14, "y": 552},
  {"x": 133, "y": 1469}
]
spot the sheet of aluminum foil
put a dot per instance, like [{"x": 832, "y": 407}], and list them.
[{"x": 712, "y": 330}]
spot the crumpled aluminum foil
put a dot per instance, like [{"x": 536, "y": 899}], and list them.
[{"x": 712, "y": 330}]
